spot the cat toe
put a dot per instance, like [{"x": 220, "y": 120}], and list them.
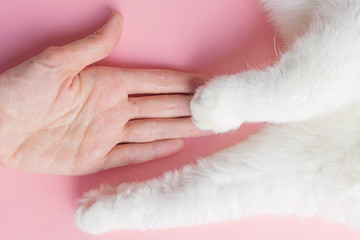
[
  {"x": 109, "y": 209},
  {"x": 210, "y": 111},
  {"x": 96, "y": 218}
]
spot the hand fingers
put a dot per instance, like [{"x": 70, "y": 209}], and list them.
[
  {"x": 77, "y": 55},
  {"x": 147, "y": 130},
  {"x": 133, "y": 153},
  {"x": 161, "y": 106},
  {"x": 160, "y": 81}
]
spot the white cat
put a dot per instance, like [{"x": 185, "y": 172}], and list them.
[{"x": 306, "y": 163}]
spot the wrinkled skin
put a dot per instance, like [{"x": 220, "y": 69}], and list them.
[{"x": 60, "y": 116}]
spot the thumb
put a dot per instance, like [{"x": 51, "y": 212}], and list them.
[{"x": 77, "y": 55}]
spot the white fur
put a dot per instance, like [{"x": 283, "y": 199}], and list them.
[{"x": 306, "y": 163}]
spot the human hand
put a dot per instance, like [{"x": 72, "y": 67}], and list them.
[{"x": 59, "y": 116}]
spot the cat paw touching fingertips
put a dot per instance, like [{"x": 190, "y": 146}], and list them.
[
  {"x": 211, "y": 110},
  {"x": 305, "y": 163}
]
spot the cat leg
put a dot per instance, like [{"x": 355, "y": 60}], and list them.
[
  {"x": 291, "y": 18},
  {"x": 283, "y": 170},
  {"x": 317, "y": 75}
]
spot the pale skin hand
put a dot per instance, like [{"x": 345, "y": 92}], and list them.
[{"x": 59, "y": 116}]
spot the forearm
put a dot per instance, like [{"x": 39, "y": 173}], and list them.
[
  {"x": 277, "y": 95},
  {"x": 282, "y": 93}
]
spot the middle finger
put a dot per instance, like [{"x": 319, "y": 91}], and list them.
[{"x": 161, "y": 106}]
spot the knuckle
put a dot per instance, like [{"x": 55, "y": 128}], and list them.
[
  {"x": 100, "y": 41},
  {"x": 50, "y": 57},
  {"x": 131, "y": 156},
  {"x": 135, "y": 107},
  {"x": 159, "y": 131},
  {"x": 171, "y": 105},
  {"x": 126, "y": 133}
]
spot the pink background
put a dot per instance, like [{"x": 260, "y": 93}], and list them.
[{"x": 207, "y": 36}]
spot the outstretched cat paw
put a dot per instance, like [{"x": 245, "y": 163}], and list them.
[
  {"x": 109, "y": 208},
  {"x": 212, "y": 109}
]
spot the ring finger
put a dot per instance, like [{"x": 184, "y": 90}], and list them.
[{"x": 147, "y": 130}]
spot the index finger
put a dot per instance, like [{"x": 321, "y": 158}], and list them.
[{"x": 161, "y": 81}]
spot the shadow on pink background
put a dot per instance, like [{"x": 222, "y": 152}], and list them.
[{"x": 205, "y": 36}]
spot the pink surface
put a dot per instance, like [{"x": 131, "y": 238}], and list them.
[{"x": 207, "y": 36}]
